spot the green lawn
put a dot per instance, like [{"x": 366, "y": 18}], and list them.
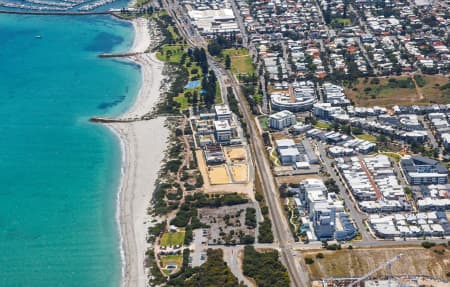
[
  {"x": 263, "y": 121},
  {"x": 159, "y": 14},
  {"x": 218, "y": 99},
  {"x": 173, "y": 238},
  {"x": 258, "y": 98},
  {"x": 393, "y": 155},
  {"x": 344, "y": 21},
  {"x": 241, "y": 63},
  {"x": 182, "y": 100},
  {"x": 172, "y": 259},
  {"x": 322, "y": 125},
  {"x": 367, "y": 137},
  {"x": 191, "y": 69},
  {"x": 235, "y": 52},
  {"x": 171, "y": 30},
  {"x": 171, "y": 53}
]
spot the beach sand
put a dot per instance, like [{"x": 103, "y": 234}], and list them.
[{"x": 142, "y": 144}]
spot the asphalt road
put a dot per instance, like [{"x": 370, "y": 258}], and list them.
[{"x": 283, "y": 236}]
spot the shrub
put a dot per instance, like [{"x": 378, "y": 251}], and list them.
[
  {"x": 334, "y": 247},
  {"x": 250, "y": 217},
  {"x": 375, "y": 81},
  {"x": 428, "y": 244},
  {"x": 264, "y": 267},
  {"x": 320, "y": 255},
  {"x": 309, "y": 260}
]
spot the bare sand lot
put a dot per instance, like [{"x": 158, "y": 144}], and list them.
[
  {"x": 218, "y": 174},
  {"x": 235, "y": 154},
  {"x": 239, "y": 172},
  {"x": 417, "y": 260}
]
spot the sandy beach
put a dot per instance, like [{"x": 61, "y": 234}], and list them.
[{"x": 142, "y": 144}]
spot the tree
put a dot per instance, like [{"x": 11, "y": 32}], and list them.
[
  {"x": 265, "y": 268},
  {"x": 309, "y": 260},
  {"x": 227, "y": 62},
  {"x": 428, "y": 244}
]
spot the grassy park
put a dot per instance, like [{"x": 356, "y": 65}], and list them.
[
  {"x": 171, "y": 53},
  {"x": 241, "y": 63},
  {"x": 173, "y": 238}
]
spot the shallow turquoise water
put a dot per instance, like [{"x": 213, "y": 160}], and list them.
[{"x": 59, "y": 173}]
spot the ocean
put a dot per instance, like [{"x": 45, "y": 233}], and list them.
[{"x": 59, "y": 172}]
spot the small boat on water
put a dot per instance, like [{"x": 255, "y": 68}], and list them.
[{"x": 38, "y": 36}]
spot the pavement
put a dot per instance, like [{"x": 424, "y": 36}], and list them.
[{"x": 198, "y": 248}]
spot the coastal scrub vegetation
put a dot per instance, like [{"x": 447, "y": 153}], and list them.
[
  {"x": 155, "y": 231},
  {"x": 265, "y": 227},
  {"x": 265, "y": 268},
  {"x": 250, "y": 217},
  {"x": 188, "y": 211},
  {"x": 214, "y": 272}
]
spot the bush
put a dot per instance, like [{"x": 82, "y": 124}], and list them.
[
  {"x": 428, "y": 244},
  {"x": 334, "y": 247},
  {"x": 375, "y": 81},
  {"x": 248, "y": 239},
  {"x": 320, "y": 255},
  {"x": 265, "y": 268},
  {"x": 420, "y": 81},
  {"x": 188, "y": 236},
  {"x": 250, "y": 218},
  {"x": 309, "y": 260},
  {"x": 265, "y": 231}
]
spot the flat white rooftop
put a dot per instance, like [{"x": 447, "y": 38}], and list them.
[{"x": 221, "y": 126}]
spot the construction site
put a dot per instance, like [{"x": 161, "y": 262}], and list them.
[
  {"x": 394, "y": 281},
  {"x": 222, "y": 153},
  {"x": 409, "y": 268}
]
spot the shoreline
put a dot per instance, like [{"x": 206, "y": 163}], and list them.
[{"x": 142, "y": 144}]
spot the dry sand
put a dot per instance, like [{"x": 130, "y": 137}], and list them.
[{"x": 142, "y": 144}]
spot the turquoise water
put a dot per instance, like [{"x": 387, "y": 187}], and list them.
[{"x": 60, "y": 173}]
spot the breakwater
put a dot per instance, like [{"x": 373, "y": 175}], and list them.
[
  {"x": 54, "y": 13},
  {"x": 118, "y": 55}
]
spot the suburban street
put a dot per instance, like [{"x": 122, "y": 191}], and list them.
[{"x": 357, "y": 216}]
